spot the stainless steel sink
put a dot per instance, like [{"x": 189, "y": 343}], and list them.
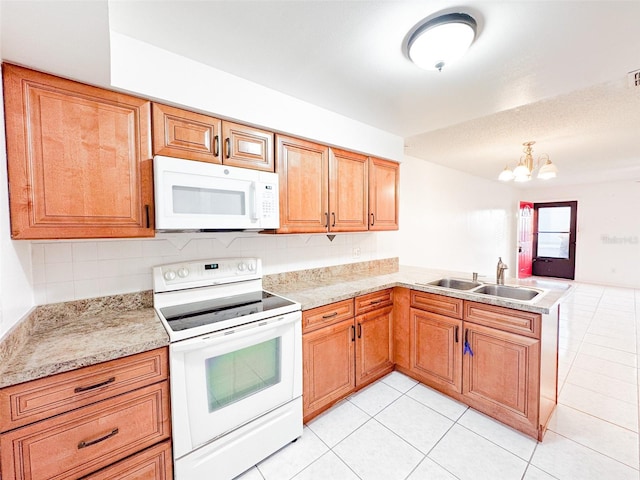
[
  {"x": 455, "y": 283},
  {"x": 515, "y": 293}
]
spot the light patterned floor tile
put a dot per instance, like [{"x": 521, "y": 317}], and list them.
[
  {"x": 293, "y": 458},
  {"x": 610, "y": 409},
  {"x": 399, "y": 381},
  {"x": 534, "y": 473},
  {"x": 251, "y": 474},
  {"x": 609, "y": 439},
  {"x": 566, "y": 460},
  {"x": 610, "y": 354},
  {"x": 468, "y": 456},
  {"x": 615, "y": 370},
  {"x": 437, "y": 401},
  {"x": 374, "y": 398},
  {"x": 329, "y": 466},
  {"x": 428, "y": 469},
  {"x": 337, "y": 423},
  {"x": 414, "y": 422},
  {"x": 603, "y": 384},
  {"x": 373, "y": 452},
  {"x": 503, "y": 436}
]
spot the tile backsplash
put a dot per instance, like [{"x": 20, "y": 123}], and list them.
[{"x": 78, "y": 269}]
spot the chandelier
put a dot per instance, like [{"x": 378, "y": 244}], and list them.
[{"x": 526, "y": 166}]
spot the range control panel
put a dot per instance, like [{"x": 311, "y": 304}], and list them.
[{"x": 199, "y": 273}]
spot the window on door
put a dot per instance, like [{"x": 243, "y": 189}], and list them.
[{"x": 554, "y": 249}]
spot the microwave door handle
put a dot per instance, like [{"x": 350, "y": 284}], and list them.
[{"x": 254, "y": 210}]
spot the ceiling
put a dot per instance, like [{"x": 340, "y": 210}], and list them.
[{"x": 550, "y": 71}]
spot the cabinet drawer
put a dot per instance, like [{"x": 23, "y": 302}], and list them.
[
  {"x": 154, "y": 463},
  {"x": 326, "y": 315},
  {"x": 372, "y": 301},
  {"x": 451, "y": 307},
  {"x": 39, "y": 399},
  {"x": 506, "y": 319},
  {"x": 83, "y": 441}
]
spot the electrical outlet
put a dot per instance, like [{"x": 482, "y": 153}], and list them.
[
  {"x": 356, "y": 252},
  {"x": 634, "y": 78}
]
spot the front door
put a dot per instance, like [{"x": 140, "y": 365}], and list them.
[
  {"x": 525, "y": 240},
  {"x": 554, "y": 244}
]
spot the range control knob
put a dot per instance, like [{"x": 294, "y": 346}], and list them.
[
  {"x": 242, "y": 266},
  {"x": 252, "y": 267},
  {"x": 183, "y": 272},
  {"x": 169, "y": 275}
]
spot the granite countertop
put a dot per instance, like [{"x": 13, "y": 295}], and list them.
[
  {"x": 318, "y": 292},
  {"x": 61, "y": 337}
]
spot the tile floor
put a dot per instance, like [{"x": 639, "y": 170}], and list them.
[{"x": 399, "y": 429}]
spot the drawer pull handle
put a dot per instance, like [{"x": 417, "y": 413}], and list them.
[
  {"x": 84, "y": 443},
  {"x": 97, "y": 385},
  {"x": 373, "y": 302},
  {"x": 330, "y": 315}
]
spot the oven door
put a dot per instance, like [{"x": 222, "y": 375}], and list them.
[{"x": 223, "y": 380}]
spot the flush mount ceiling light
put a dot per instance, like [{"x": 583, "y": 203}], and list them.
[
  {"x": 526, "y": 167},
  {"x": 441, "y": 40}
]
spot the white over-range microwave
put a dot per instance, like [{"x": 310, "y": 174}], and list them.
[{"x": 191, "y": 195}]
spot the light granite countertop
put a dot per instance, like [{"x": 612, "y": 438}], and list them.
[
  {"x": 318, "y": 292},
  {"x": 62, "y": 337}
]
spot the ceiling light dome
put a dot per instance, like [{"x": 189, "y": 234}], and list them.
[{"x": 441, "y": 40}]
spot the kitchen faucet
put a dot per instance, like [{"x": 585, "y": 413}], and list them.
[{"x": 500, "y": 271}]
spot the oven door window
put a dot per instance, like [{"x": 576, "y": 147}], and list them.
[
  {"x": 221, "y": 382},
  {"x": 236, "y": 375}
]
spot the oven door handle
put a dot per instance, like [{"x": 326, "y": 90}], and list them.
[{"x": 236, "y": 334}]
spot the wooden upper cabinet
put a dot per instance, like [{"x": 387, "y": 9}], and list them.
[
  {"x": 194, "y": 136},
  {"x": 348, "y": 180},
  {"x": 383, "y": 194},
  {"x": 247, "y": 147},
  {"x": 302, "y": 169},
  {"x": 322, "y": 189},
  {"x": 78, "y": 159},
  {"x": 184, "y": 134}
]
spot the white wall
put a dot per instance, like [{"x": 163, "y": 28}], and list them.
[
  {"x": 16, "y": 297},
  {"x": 455, "y": 221},
  {"x": 608, "y": 238}
]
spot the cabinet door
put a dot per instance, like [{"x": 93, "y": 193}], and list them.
[
  {"x": 328, "y": 367},
  {"x": 374, "y": 349},
  {"x": 247, "y": 147},
  {"x": 383, "y": 194},
  {"x": 183, "y": 134},
  {"x": 78, "y": 157},
  {"x": 302, "y": 170},
  {"x": 501, "y": 377},
  {"x": 436, "y": 350},
  {"x": 348, "y": 180}
]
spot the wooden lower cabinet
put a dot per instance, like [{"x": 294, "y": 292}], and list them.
[
  {"x": 329, "y": 369},
  {"x": 501, "y": 377},
  {"x": 342, "y": 355},
  {"x": 505, "y": 373},
  {"x": 435, "y": 351},
  {"x": 374, "y": 345},
  {"x": 105, "y": 431}
]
